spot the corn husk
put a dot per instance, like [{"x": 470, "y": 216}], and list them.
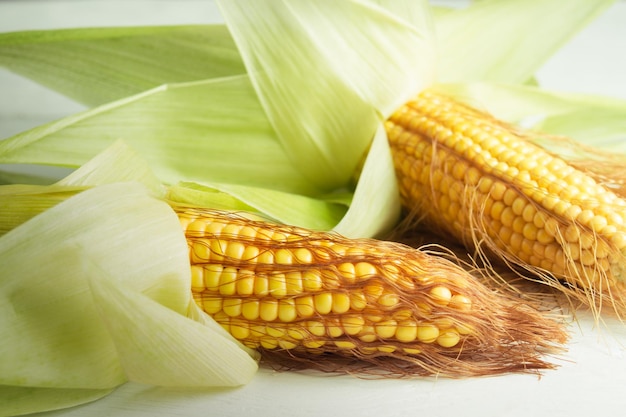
[{"x": 108, "y": 301}]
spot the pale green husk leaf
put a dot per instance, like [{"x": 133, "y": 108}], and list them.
[
  {"x": 194, "y": 194},
  {"x": 45, "y": 297},
  {"x": 288, "y": 208},
  {"x": 324, "y": 82},
  {"x": 98, "y": 65},
  {"x": 21, "y": 202},
  {"x": 53, "y": 335},
  {"x": 157, "y": 346},
  {"x": 207, "y": 131},
  {"x": 507, "y": 41},
  {"x": 117, "y": 163},
  {"x": 375, "y": 208}
]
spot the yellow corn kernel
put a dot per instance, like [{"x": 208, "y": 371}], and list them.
[
  {"x": 287, "y": 310},
  {"x": 389, "y": 299},
  {"x": 338, "y": 249},
  {"x": 286, "y": 344},
  {"x": 228, "y": 281},
  {"x": 460, "y": 302},
  {"x": 303, "y": 256},
  {"x": 356, "y": 251},
  {"x": 386, "y": 348},
  {"x": 386, "y": 329},
  {"x": 261, "y": 285},
  {"x": 232, "y": 306},
  {"x": 331, "y": 279},
  {"x": 357, "y": 300},
  {"x": 212, "y": 274},
  {"x": 231, "y": 230},
  {"x": 323, "y": 302},
  {"x": 373, "y": 290},
  {"x": 239, "y": 329},
  {"x": 427, "y": 333},
  {"x": 268, "y": 310},
  {"x": 312, "y": 280},
  {"x": 448, "y": 338},
  {"x": 352, "y": 324},
  {"x": 235, "y": 250},
  {"x": 248, "y": 233},
  {"x": 275, "y": 331},
  {"x": 334, "y": 328},
  {"x": 365, "y": 270},
  {"x": 283, "y": 256},
  {"x": 345, "y": 344},
  {"x": 269, "y": 342},
  {"x": 407, "y": 331},
  {"x": 278, "y": 285},
  {"x": 316, "y": 328},
  {"x": 257, "y": 330},
  {"x": 293, "y": 282},
  {"x": 424, "y": 309},
  {"x": 250, "y": 253},
  {"x": 314, "y": 344},
  {"x": 403, "y": 314},
  {"x": 341, "y": 303},
  {"x": 305, "y": 306},
  {"x": 212, "y": 305},
  {"x": 245, "y": 282},
  {"x": 217, "y": 249},
  {"x": 368, "y": 334},
  {"x": 266, "y": 257},
  {"x": 184, "y": 222},
  {"x": 215, "y": 227},
  {"x": 441, "y": 295},
  {"x": 200, "y": 251},
  {"x": 279, "y": 237},
  {"x": 347, "y": 272},
  {"x": 296, "y": 333},
  {"x": 373, "y": 315},
  {"x": 250, "y": 309}
]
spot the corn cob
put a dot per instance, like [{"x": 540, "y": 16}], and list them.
[
  {"x": 316, "y": 299},
  {"x": 468, "y": 175}
]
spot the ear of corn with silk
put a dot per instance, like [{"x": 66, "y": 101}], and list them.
[
  {"x": 463, "y": 173},
  {"x": 300, "y": 296}
]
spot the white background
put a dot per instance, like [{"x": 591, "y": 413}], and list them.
[{"x": 592, "y": 376}]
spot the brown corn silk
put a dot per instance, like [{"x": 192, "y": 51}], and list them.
[
  {"x": 467, "y": 175},
  {"x": 309, "y": 299}
]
